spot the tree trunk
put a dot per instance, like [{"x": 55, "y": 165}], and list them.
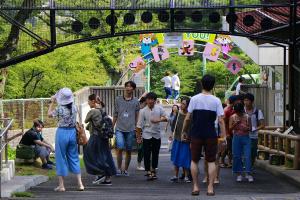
[{"x": 10, "y": 45}]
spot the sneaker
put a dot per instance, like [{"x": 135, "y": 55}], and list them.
[
  {"x": 98, "y": 179},
  {"x": 119, "y": 172},
  {"x": 106, "y": 183},
  {"x": 140, "y": 168},
  {"x": 239, "y": 178},
  {"x": 250, "y": 178},
  {"x": 46, "y": 166},
  {"x": 174, "y": 179},
  {"x": 125, "y": 173},
  {"x": 205, "y": 180},
  {"x": 187, "y": 180},
  {"x": 217, "y": 181}
]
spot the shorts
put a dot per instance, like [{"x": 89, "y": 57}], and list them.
[
  {"x": 210, "y": 148},
  {"x": 124, "y": 140},
  {"x": 41, "y": 151}
]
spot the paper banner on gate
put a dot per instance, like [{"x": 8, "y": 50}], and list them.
[
  {"x": 234, "y": 65},
  {"x": 187, "y": 48},
  {"x": 212, "y": 51},
  {"x": 137, "y": 64},
  {"x": 160, "y": 38},
  {"x": 204, "y": 37},
  {"x": 160, "y": 53}
]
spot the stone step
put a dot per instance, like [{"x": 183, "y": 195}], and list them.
[{"x": 21, "y": 184}]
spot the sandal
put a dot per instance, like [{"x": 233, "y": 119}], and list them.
[
  {"x": 59, "y": 189},
  {"x": 81, "y": 188},
  {"x": 195, "y": 193},
  {"x": 210, "y": 193}
]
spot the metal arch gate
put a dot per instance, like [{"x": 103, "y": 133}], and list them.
[{"x": 30, "y": 28}]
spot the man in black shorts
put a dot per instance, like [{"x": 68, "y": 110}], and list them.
[{"x": 203, "y": 111}]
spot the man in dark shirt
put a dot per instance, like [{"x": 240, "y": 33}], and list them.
[{"x": 42, "y": 148}]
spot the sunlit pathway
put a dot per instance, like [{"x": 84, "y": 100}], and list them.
[{"x": 136, "y": 187}]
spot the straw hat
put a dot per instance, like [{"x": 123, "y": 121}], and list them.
[{"x": 64, "y": 96}]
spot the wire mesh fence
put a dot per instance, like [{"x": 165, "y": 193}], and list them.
[{"x": 24, "y": 111}]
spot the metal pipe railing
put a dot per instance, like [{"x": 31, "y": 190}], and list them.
[{"x": 7, "y": 124}]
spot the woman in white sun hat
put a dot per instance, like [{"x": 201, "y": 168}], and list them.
[{"x": 66, "y": 153}]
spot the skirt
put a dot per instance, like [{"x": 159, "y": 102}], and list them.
[
  {"x": 181, "y": 154},
  {"x": 97, "y": 157}
]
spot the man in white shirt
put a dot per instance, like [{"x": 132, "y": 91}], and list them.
[
  {"x": 175, "y": 85},
  {"x": 238, "y": 87},
  {"x": 149, "y": 123},
  {"x": 167, "y": 85}
]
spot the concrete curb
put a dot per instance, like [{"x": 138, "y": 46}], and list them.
[
  {"x": 292, "y": 176},
  {"x": 21, "y": 184}
]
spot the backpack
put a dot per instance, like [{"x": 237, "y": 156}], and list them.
[{"x": 105, "y": 127}]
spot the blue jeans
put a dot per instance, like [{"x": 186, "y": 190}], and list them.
[
  {"x": 241, "y": 147},
  {"x": 175, "y": 94},
  {"x": 168, "y": 92},
  {"x": 124, "y": 140}
]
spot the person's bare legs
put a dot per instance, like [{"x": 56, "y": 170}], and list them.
[
  {"x": 195, "y": 173},
  {"x": 212, "y": 176},
  {"x": 79, "y": 182},
  {"x": 127, "y": 160},
  {"x": 206, "y": 178},
  {"x": 61, "y": 186},
  {"x": 119, "y": 158}
]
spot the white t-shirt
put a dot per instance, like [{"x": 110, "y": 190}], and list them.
[
  {"x": 175, "y": 82},
  {"x": 205, "y": 109},
  {"x": 167, "y": 80},
  {"x": 238, "y": 89}
]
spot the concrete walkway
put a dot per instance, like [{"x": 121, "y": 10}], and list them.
[{"x": 265, "y": 187}]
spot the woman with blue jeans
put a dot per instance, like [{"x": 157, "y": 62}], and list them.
[
  {"x": 66, "y": 149},
  {"x": 240, "y": 124}
]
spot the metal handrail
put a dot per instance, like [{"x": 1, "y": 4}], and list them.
[{"x": 3, "y": 134}]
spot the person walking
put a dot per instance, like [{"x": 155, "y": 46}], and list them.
[
  {"x": 140, "y": 148},
  {"x": 203, "y": 110},
  {"x": 167, "y": 85},
  {"x": 240, "y": 124},
  {"x": 238, "y": 90},
  {"x": 66, "y": 149},
  {"x": 124, "y": 120},
  {"x": 257, "y": 122},
  {"x": 149, "y": 123},
  {"x": 97, "y": 156},
  {"x": 181, "y": 153},
  {"x": 175, "y": 86}
]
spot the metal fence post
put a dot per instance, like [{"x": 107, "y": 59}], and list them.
[
  {"x": 23, "y": 115},
  {"x": 42, "y": 110}
]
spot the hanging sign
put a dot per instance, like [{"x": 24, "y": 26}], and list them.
[
  {"x": 187, "y": 48},
  {"x": 225, "y": 42},
  {"x": 147, "y": 41},
  {"x": 205, "y": 37},
  {"x": 160, "y": 38},
  {"x": 137, "y": 64},
  {"x": 234, "y": 65},
  {"x": 160, "y": 53},
  {"x": 173, "y": 40},
  {"x": 212, "y": 51}
]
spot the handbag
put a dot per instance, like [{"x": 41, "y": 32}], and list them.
[
  {"x": 80, "y": 133},
  {"x": 25, "y": 152}
]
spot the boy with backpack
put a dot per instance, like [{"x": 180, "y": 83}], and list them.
[{"x": 257, "y": 121}]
